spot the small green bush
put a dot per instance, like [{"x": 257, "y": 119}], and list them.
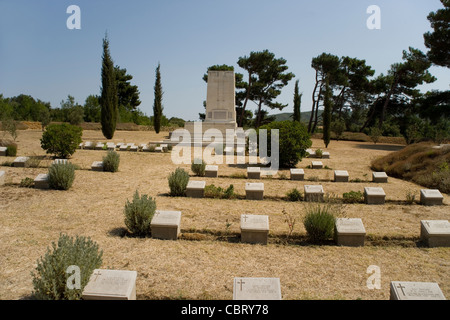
[
  {"x": 50, "y": 276},
  {"x": 178, "y": 181},
  {"x": 353, "y": 197},
  {"x": 198, "y": 167},
  {"x": 139, "y": 214},
  {"x": 211, "y": 191},
  {"x": 319, "y": 153},
  {"x": 61, "y": 176},
  {"x": 293, "y": 141},
  {"x": 111, "y": 161},
  {"x": 294, "y": 195},
  {"x": 27, "y": 183},
  {"x": 319, "y": 223},
  {"x": 11, "y": 150},
  {"x": 61, "y": 140},
  {"x": 375, "y": 134}
]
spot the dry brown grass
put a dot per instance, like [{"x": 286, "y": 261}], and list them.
[{"x": 204, "y": 261}]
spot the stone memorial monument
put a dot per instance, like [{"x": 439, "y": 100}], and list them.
[{"x": 220, "y": 104}]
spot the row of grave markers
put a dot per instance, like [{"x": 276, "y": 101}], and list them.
[
  {"x": 88, "y": 145},
  {"x": 372, "y": 195},
  {"x": 107, "y": 284}
]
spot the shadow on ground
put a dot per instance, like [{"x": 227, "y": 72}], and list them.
[{"x": 381, "y": 147}]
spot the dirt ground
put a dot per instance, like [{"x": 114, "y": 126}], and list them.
[{"x": 209, "y": 254}]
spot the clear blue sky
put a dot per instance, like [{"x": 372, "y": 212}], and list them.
[{"x": 39, "y": 56}]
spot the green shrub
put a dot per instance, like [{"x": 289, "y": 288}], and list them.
[
  {"x": 111, "y": 161},
  {"x": 319, "y": 223},
  {"x": 211, "y": 191},
  {"x": 198, "y": 167},
  {"x": 61, "y": 140},
  {"x": 375, "y": 134},
  {"x": 410, "y": 197},
  {"x": 353, "y": 197},
  {"x": 27, "y": 183},
  {"x": 139, "y": 214},
  {"x": 61, "y": 176},
  {"x": 11, "y": 150},
  {"x": 293, "y": 141},
  {"x": 319, "y": 153},
  {"x": 178, "y": 181},
  {"x": 294, "y": 195},
  {"x": 50, "y": 276}
]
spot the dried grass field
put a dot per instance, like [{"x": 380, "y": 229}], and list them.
[{"x": 209, "y": 254}]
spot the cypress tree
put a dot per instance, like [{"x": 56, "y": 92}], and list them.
[
  {"x": 297, "y": 102},
  {"x": 157, "y": 104},
  {"x": 109, "y": 97},
  {"x": 327, "y": 115}
]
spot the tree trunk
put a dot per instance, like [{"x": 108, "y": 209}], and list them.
[
  {"x": 316, "y": 116},
  {"x": 258, "y": 116},
  {"x": 241, "y": 120},
  {"x": 314, "y": 103}
]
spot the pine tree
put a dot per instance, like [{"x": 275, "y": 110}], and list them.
[
  {"x": 297, "y": 103},
  {"x": 157, "y": 104},
  {"x": 327, "y": 115},
  {"x": 109, "y": 97}
]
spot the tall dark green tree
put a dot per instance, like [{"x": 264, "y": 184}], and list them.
[
  {"x": 438, "y": 40},
  {"x": 297, "y": 103},
  {"x": 267, "y": 76},
  {"x": 109, "y": 97},
  {"x": 327, "y": 103},
  {"x": 157, "y": 104},
  {"x": 128, "y": 94}
]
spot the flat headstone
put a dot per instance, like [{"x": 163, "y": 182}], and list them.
[
  {"x": 21, "y": 162},
  {"x": 228, "y": 150},
  {"x": 313, "y": 193},
  {"x": 256, "y": 289},
  {"x": 166, "y": 224},
  {"x": 435, "y": 233},
  {"x": 165, "y": 147},
  {"x": 298, "y": 174},
  {"x": 254, "y": 191},
  {"x": 379, "y": 177},
  {"x": 60, "y": 161},
  {"x": 123, "y": 147},
  {"x": 111, "y": 285},
  {"x": 431, "y": 197},
  {"x": 240, "y": 151},
  {"x": 159, "y": 149},
  {"x": 253, "y": 172},
  {"x": 309, "y": 152},
  {"x": 97, "y": 166},
  {"x": 211, "y": 171},
  {"x": 340, "y": 176},
  {"x": 99, "y": 146},
  {"x": 111, "y": 146},
  {"x": 3, "y": 151},
  {"x": 374, "y": 195},
  {"x": 316, "y": 164},
  {"x": 325, "y": 155},
  {"x": 349, "y": 232},
  {"x": 41, "y": 181},
  {"x": 134, "y": 148},
  {"x": 88, "y": 145},
  {"x": 254, "y": 228},
  {"x": 406, "y": 290},
  {"x": 80, "y": 146},
  {"x": 2, "y": 177},
  {"x": 195, "y": 189}
]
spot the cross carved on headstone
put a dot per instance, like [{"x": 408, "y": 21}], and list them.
[
  {"x": 97, "y": 274},
  {"x": 401, "y": 287},
  {"x": 241, "y": 283},
  {"x": 245, "y": 218}
]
